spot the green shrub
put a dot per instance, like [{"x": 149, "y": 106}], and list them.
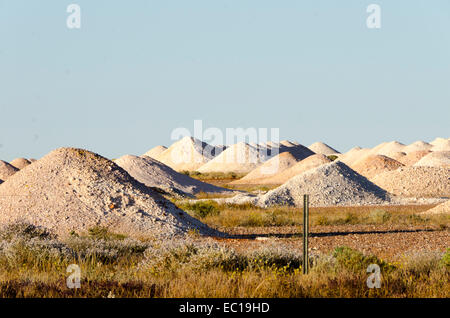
[
  {"x": 201, "y": 209},
  {"x": 103, "y": 233},
  {"x": 332, "y": 157},
  {"x": 446, "y": 258},
  {"x": 356, "y": 261},
  {"x": 379, "y": 216}
]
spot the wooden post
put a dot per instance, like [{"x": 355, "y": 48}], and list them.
[{"x": 305, "y": 233}]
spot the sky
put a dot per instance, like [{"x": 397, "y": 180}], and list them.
[{"x": 136, "y": 70}]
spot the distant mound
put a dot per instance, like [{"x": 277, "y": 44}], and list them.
[
  {"x": 322, "y": 148},
  {"x": 240, "y": 158},
  {"x": 417, "y": 146},
  {"x": 188, "y": 154},
  {"x": 441, "y": 145},
  {"x": 153, "y": 173},
  {"x": 75, "y": 190},
  {"x": 372, "y": 165},
  {"x": 354, "y": 154},
  {"x": 243, "y": 157},
  {"x": 269, "y": 168},
  {"x": 155, "y": 152},
  {"x": 6, "y": 170},
  {"x": 330, "y": 184},
  {"x": 435, "y": 159},
  {"x": 20, "y": 163},
  {"x": 443, "y": 208},
  {"x": 309, "y": 163},
  {"x": 413, "y": 157},
  {"x": 416, "y": 181},
  {"x": 388, "y": 148},
  {"x": 287, "y": 143}
]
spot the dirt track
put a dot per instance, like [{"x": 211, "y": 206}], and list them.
[{"x": 389, "y": 242}]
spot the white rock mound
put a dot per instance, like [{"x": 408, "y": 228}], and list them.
[
  {"x": 155, "y": 152},
  {"x": 330, "y": 184},
  {"x": 75, "y": 190},
  {"x": 322, "y": 148},
  {"x": 153, "y": 173},
  {"x": 435, "y": 159},
  {"x": 6, "y": 170},
  {"x": 443, "y": 208}
]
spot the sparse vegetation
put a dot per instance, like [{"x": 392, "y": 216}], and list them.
[{"x": 192, "y": 268}]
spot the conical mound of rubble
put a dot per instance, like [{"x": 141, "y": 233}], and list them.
[
  {"x": 153, "y": 173},
  {"x": 155, "y": 152},
  {"x": 76, "y": 190},
  {"x": 416, "y": 181},
  {"x": 6, "y": 170},
  {"x": 322, "y": 148},
  {"x": 330, "y": 184},
  {"x": 372, "y": 165},
  {"x": 188, "y": 154}
]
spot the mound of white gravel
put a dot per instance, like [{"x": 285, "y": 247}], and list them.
[
  {"x": 330, "y": 184},
  {"x": 420, "y": 182},
  {"x": 75, "y": 190},
  {"x": 435, "y": 159},
  {"x": 322, "y": 148},
  {"x": 269, "y": 168},
  {"x": 417, "y": 146},
  {"x": 20, "y": 163},
  {"x": 243, "y": 157},
  {"x": 354, "y": 154},
  {"x": 440, "y": 144},
  {"x": 388, "y": 148},
  {"x": 443, "y": 208},
  {"x": 6, "y": 170},
  {"x": 188, "y": 154},
  {"x": 153, "y": 173},
  {"x": 155, "y": 152},
  {"x": 372, "y": 165}
]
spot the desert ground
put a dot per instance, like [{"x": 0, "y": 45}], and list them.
[{"x": 196, "y": 220}]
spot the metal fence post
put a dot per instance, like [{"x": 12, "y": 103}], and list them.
[{"x": 305, "y": 233}]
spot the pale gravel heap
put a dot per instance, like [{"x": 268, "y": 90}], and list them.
[
  {"x": 416, "y": 181},
  {"x": 188, "y": 154},
  {"x": 75, "y": 190},
  {"x": 435, "y": 159},
  {"x": 332, "y": 184},
  {"x": 322, "y": 148},
  {"x": 6, "y": 170},
  {"x": 20, "y": 163},
  {"x": 243, "y": 157},
  {"x": 413, "y": 157},
  {"x": 153, "y": 173},
  {"x": 372, "y": 165},
  {"x": 155, "y": 152},
  {"x": 306, "y": 164},
  {"x": 269, "y": 168},
  {"x": 443, "y": 208},
  {"x": 440, "y": 144},
  {"x": 418, "y": 146}
]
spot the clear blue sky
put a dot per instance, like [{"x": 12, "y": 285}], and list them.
[{"x": 138, "y": 69}]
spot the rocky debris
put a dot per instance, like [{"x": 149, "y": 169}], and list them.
[
  {"x": 155, "y": 152},
  {"x": 76, "y": 190},
  {"x": 417, "y": 146},
  {"x": 372, "y": 165},
  {"x": 440, "y": 144},
  {"x": 435, "y": 159},
  {"x": 412, "y": 157},
  {"x": 415, "y": 181},
  {"x": 311, "y": 162},
  {"x": 20, "y": 163},
  {"x": 269, "y": 168},
  {"x": 243, "y": 157},
  {"x": 331, "y": 184},
  {"x": 153, "y": 173},
  {"x": 6, "y": 170},
  {"x": 443, "y": 208},
  {"x": 322, "y": 148}
]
